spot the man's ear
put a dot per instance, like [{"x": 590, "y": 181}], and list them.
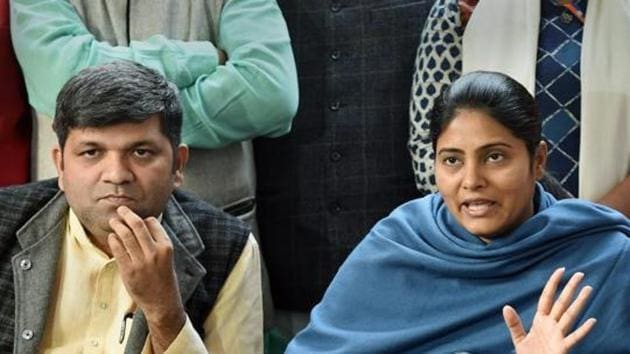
[
  {"x": 57, "y": 156},
  {"x": 181, "y": 159},
  {"x": 540, "y": 159}
]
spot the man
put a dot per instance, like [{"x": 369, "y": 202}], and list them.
[
  {"x": 115, "y": 258},
  {"x": 231, "y": 60},
  {"x": 345, "y": 163}
]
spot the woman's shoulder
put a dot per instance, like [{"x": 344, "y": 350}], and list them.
[{"x": 586, "y": 212}]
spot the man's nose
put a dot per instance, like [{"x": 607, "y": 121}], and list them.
[{"x": 117, "y": 169}]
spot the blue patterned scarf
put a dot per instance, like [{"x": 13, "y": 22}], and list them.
[{"x": 419, "y": 282}]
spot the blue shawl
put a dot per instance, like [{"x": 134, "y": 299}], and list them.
[{"x": 419, "y": 282}]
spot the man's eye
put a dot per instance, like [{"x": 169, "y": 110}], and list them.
[
  {"x": 89, "y": 153},
  {"x": 143, "y": 152}
]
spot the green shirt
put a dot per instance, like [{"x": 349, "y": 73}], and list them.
[{"x": 254, "y": 94}]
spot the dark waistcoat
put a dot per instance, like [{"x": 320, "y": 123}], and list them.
[
  {"x": 207, "y": 243},
  {"x": 345, "y": 163}
]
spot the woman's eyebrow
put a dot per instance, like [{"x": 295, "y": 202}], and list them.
[
  {"x": 495, "y": 144},
  {"x": 482, "y": 147}
]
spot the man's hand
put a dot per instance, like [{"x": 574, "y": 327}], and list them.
[
  {"x": 145, "y": 257},
  {"x": 222, "y": 56},
  {"x": 553, "y": 320}
]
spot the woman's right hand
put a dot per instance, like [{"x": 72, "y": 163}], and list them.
[{"x": 553, "y": 320}]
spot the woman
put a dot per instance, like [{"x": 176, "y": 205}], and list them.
[
  {"x": 563, "y": 58},
  {"x": 435, "y": 275}
]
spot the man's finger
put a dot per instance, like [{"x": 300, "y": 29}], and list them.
[
  {"x": 579, "y": 334},
  {"x": 157, "y": 231},
  {"x": 127, "y": 239},
  {"x": 566, "y": 296},
  {"x": 118, "y": 250},
  {"x": 514, "y": 325},
  {"x": 549, "y": 292},
  {"x": 138, "y": 228}
]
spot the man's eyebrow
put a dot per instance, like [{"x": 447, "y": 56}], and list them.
[
  {"x": 126, "y": 146},
  {"x": 88, "y": 143}
]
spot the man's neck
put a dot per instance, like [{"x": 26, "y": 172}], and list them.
[{"x": 100, "y": 242}]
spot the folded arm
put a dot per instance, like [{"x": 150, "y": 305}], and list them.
[{"x": 254, "y": 94}]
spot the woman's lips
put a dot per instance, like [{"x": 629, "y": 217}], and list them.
[{"x": 478, "y": 208}]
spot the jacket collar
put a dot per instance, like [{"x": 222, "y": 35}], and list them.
[{"x": 40, "y": 240}]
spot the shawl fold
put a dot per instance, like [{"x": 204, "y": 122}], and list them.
[{"x": 419, "y": 282}]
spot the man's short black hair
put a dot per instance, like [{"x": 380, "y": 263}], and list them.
[{"x": 117, "y": 92}]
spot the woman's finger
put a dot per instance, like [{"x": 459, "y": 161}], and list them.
[
  {"x": 573, "y": 312},
  {"x": 514, "y": 324},
  {"x": 566, "y": 296},
  {"x": 573, "y": 338},
  {"x": 549, "y": 292}
]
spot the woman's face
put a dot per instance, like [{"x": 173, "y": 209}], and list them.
[{"x": 485, "y": 174}]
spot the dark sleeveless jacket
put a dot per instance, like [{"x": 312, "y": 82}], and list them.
[
  {"x": 345, "y": 163},
  {"x": 207, "y": 243}
]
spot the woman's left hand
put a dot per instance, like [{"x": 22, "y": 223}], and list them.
[{"x": 553, "y": 320}]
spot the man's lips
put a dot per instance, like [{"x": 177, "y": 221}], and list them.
[
  {"x": 477, "y": 207},
  {"x": 117, "y": 198}
]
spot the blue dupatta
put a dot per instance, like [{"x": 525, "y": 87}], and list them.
[{"x": 419, "y": 282}]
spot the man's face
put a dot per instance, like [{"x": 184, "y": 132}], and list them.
[{"x": 130, "y": 164}]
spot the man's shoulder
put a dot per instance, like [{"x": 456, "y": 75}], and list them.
[
  {"x": 20, "y": 202},
  {"x": 48, "y": 186},
  {"x": 36, "y": 193},
  {"x": 206, "y": 217}
]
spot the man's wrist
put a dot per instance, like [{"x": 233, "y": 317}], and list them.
[{"x": 164, "y": 328}]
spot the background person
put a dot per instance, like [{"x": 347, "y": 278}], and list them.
[
  {"x": 572, "y": 61},
  {"x": 15, "y": 129}
]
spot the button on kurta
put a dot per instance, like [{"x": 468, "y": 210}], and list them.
[
  {"x": 335, "y": 105},
  {"x": 26, "y": 264},
  {"x": 335, "y": 55},
  {"x": 335, "y": 7},
  {"x": 335, "y": 156},
  {"x": 27, "y": 334}
]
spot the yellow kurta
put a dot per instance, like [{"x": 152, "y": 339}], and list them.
[{"x": 89, "y": 303}]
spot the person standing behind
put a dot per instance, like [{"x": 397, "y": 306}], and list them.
[
  {"x": 344, "y": 165},
  {"x": 14, "y": 117}
]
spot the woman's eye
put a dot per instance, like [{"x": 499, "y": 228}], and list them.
[
  {"x": 451, "y": 161},
  {"x": 495, "y": 157}
]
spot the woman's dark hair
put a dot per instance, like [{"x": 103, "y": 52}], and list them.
[{"x": 497, "y": 95}]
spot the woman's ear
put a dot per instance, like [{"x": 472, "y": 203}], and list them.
[{"x": 540, "y": 159}]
